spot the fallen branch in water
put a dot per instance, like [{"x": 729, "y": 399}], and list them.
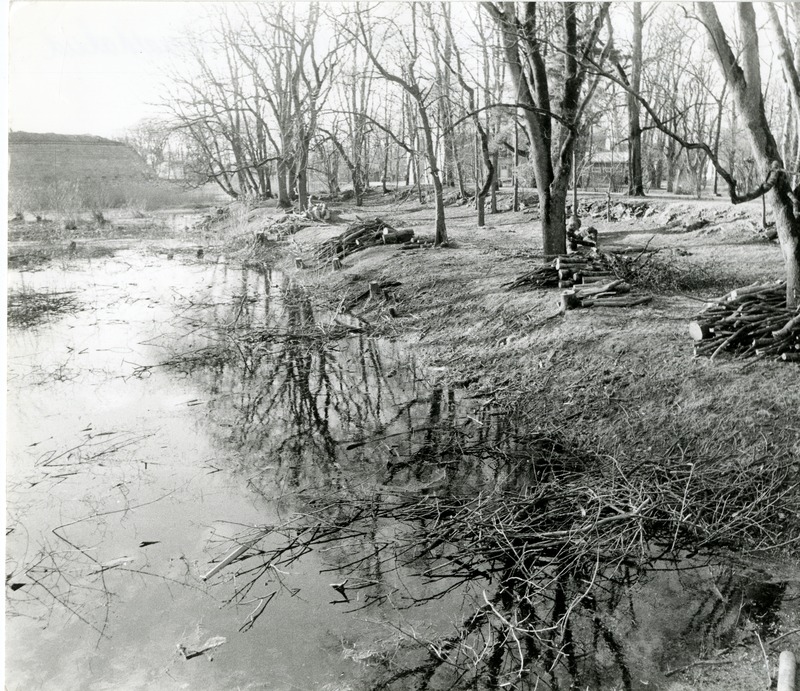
[{"x": 233, "y": 556}]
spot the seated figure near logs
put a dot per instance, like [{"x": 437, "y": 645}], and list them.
[{"x": 580, "y": 238}]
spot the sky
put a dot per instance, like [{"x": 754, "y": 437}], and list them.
[
  {"x": 95, "y": 66},
  {"x": 90, "y": 66}
]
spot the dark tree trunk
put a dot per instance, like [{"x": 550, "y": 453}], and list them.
[
  {"x": 635, "y": 178},
  {"x": 283, "y": 184},
  {"x": 551, "y": 161},
  {"x": 745, "y": 82}
]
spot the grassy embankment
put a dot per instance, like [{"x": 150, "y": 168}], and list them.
[
  {"x": 615, "y": 384},
  {"x": 619, "y": 381}
]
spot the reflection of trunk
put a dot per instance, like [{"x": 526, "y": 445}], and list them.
[{"x": 429, "y": 450}]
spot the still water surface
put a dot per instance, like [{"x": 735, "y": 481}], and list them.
[
  {"x": 128, "y": 480},
  {"x": 188, "y": 406}
]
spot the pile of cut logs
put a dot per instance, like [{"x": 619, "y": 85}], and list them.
[
  {"x": 360, "y": 235},
  {"x": 588, "y": 280},
  {"x": 753, "y": 320},
  {"x": 293, "y": 221}
]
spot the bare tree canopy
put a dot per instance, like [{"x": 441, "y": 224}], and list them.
[{"x": 280, "y": 95}]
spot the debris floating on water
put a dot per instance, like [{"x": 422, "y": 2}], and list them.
[{"x": 210, "y": 644}]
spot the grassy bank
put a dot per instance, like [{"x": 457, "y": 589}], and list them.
[
  {"x": 615, "y": 379},
  {"x": 617, "y": 385}
]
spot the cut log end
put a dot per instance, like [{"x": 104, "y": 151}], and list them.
[
  {"x": 698, "y": 331},
  {"x": 568, "y": 301}
]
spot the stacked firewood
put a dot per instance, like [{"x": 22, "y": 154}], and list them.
[
  {"x": 563, "y": 272},
  {"x": 543, "y": 276},
  {"x": 587, "y": 278},
  {"x": 360, "y": 235},
  {"x": 749, "y": 321},
  {"x": 292, "y": 221}
]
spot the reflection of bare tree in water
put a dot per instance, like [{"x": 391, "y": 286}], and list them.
[
  {"x": 412, "y": 503},
  {"x": 545, "y": 543},
  {"x": 732, "y": 607},
  {"x": 292, "y": 392}
]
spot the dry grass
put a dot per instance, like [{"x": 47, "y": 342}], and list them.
[
  {"x": 663, "y": 451},
  {"x": 612, "y": 380},
  {"x": 27, "y": 308}
]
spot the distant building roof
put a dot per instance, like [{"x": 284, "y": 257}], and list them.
[
  {"x": 52, "y": 138},
  {"x": 37, "y": 158}
]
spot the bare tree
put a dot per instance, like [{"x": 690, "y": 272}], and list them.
[
  {"x": 790, "y": 63},
  {"x": 409, "y": 81},
  {"x": 279, "y": 46},
  {"x": 150, "y": 139},
  {"x": 220, "y": 106},
  {"x": 456, "y": 66},
  {"x": 743, "y": 73},
  {"x": 550, "y": 151},
  {"x": 349, "y": 125},
  {"x": 635, "y": 173}
]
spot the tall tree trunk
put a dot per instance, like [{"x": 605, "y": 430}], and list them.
[
  {"x": 531, "y": 83},
  {"x": 302, "y": 174},
  {"x": 430, "y": 149},
  {"x": 385, "y": 168},
  {"x": 745, "y": 81},
  {"x": 283, "y": 187},
  {"x": 635, "y": 178},
  {"x": 495, "y": 169}
]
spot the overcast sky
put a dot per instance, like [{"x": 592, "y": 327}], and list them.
[
  {"x": 90, "y": 66},
  {"x": 97, "y": 66}
]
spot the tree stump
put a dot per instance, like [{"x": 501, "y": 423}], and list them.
[
  {"x": 375, "y": 292},
  {"x": 568, "y": 301}
]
